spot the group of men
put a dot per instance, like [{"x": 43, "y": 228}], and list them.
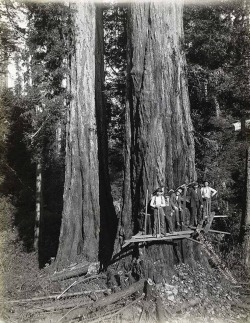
[{"x": 187, "y": 205}]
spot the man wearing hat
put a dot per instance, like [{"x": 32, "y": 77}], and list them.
[
  {"x": 175, "y": 205},
  {"x": 207, "y": 193},
  {"x": 158, "y": 203},
  {"x": 196, "y": 204}
]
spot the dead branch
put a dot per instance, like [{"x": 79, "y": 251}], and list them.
[
  {"x": 81, "y": 280},
  {"x": 108, "y": 300},
  {"x": 66, "y": 274}
]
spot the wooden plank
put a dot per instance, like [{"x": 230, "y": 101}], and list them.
[
  {"x": 149, "y": 236},
  {"x": 188, "y": 238},
  {"x": 220, "y": 216},
  {"x": 173, "y": 237},
  {"x": 217, "y": 231}
]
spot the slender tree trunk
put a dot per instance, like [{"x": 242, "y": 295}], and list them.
[
  {"x": 159, "y": 148},
  {"x": 38, "y": 219},
  {"x": 245, "y": 221},
  {"x": 79, "y": 237}
]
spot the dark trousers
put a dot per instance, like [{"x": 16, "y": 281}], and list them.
[
  {"x": 169, "y": 220},
  {"x": 195, "y": 214},
  {"x": 207, "y": 208}
]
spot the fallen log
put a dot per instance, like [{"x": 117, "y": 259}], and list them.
[
  {"x": 69, "y": 273},
  {"x": 58, "y": 307},
  {"x": 191, "y": 303},
  {"x": 42, "y": 298},
  {"x": 113, "y": 298}
]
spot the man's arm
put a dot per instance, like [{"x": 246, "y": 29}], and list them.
[
  {"x": 152, "y": 202},
  {"x": 213, "y": 191}
]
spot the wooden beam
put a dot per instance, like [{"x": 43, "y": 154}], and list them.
[
  {"x": 217, "y": 231},
  {"x": 193, "y": 240},
  {"x": 221, "y": 216},
  {"x": 172, "y": 237},
  {"x": 176, "y": 233}
]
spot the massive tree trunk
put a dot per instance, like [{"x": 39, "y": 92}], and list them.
[
  {"x": 89, "y": 220},
  {"x": 79, "y": 237},
  {"x": 159, "y": 147}
]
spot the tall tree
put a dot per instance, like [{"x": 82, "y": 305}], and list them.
[
  {"x": 245, "y": 223},
  {"x": 159, "y": 148},
  {"x": 88, "y": 220}
]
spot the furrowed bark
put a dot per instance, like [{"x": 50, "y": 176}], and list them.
[
  {"x": 159, "y": 145},
  {"x": 79, "y": 237}
]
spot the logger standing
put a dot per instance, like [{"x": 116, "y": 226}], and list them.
[{"x": 207, "y": 193}]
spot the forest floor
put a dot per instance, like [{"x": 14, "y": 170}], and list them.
[{"x": 190, "y": 295}]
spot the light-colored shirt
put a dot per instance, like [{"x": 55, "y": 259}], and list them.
[
  {"x": 158, "y": 201},
  {"x": 208, "y": 192}
]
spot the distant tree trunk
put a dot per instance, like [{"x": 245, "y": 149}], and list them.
[
  {"x": 245, "y": 221},
  {"x": 79, "y": 237},
  {"x": 39, "y": 217},
  {"x": 246, "y": 218},
  {"x": 159, "y": 148}
]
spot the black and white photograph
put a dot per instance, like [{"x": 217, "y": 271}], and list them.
[{"x": 125, "y": 161}]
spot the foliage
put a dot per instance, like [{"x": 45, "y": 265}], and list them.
[
  {"x": 46, "y": 57},
  {"x": 216, "y": 41},
  {"x": 115, "y": 38}
]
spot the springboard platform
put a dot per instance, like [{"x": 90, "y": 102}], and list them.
[{"x": 188, "y": 234}]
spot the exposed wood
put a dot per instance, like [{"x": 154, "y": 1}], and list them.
[
  {"x": 36, "y": 299},
  {"x": 138, "y": 286},
  {"x": 66, "y": 274}
]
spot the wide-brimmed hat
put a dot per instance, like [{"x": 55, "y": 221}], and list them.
[{"x": 159, "y": 189}]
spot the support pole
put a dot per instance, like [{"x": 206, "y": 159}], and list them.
[{"x": 146, "y": 214}]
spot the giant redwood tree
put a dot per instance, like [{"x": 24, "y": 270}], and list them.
[
  {"x": 85, "y": 193},
  {"x": 159, "y": 147}
]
